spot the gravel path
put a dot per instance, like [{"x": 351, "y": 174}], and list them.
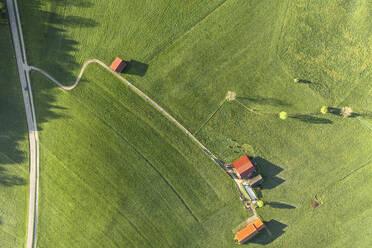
[{"x": 19, "y": 48}]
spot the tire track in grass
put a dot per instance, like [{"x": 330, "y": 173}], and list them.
[
  {"x": 368, "y": 163},
  {"x": 141, "y": 155},
  {"x": 151, "y": 102},
  {"x": 148, "y": 100},
  {"x": 174, "y": 41},
  {"x": 210, "y": 117},
  {"x": 152, "y": 166},
  {"x": 171, "y": 144},
  {"x": 168, "y": 183},
  {"x": 111, "y": 208}
]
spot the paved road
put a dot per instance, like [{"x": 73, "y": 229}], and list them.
[{"x": 23, "y": 72}]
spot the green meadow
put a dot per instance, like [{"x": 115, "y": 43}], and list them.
[
  {"x": 13, "y": 149},
  {"x": 116, "y": 173}
]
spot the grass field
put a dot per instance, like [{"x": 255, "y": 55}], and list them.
[
  {"x": 13, "y": 149},
  {"x": 102, "y": 141},
  {"x": 132, "y": 177}
]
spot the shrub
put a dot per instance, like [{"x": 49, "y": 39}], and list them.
[
  {"x": 283, "y": 115},
  {"x": 231, "y": 96},
  {"x": 2, "y": 10},
  {"x": 346, "y": 112},
  {"x": 296, "y": 80},
  {"x": 324, "y": 110},
  {"x": 248, "y": 149},
  {"x": 260, "y": 204}
]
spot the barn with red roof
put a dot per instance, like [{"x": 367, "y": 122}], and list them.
[
  {"x": 118, "y": 65},
  {"x": 243, "y": 167}
]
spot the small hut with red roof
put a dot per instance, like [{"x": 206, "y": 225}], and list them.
[
  {"x": 118, "y": 65},
  {"x": 243, "y": 167}
]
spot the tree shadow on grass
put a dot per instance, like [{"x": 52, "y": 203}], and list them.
[
  {"x": 280, "y": 205},
  {"x": 310, "y": 119},
  {"x": 269, "y": 172},
  {"x": 337, "y": 111},
  {"x": 274, "y": 229},
  {"x": 47, "y": 47},
  {"x": 13, "y": 129},
  {"x": 10, "y": 180}
]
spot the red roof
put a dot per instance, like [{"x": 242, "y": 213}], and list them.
[
  {"x": 246, "y": 233},
  {"x": 243, "y": 166},
  {"x": 258, "y": 224},
  {"x": 249, "y": 231},
  {"x": 118, "y": 65}
]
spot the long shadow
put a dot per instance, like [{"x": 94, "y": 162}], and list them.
[
  {"x": 10, "y": 180},
  {"x": 269, "y": 172},
  {"x": 311, "y": 119},
  {"x": 304, "y": 81},
  {"x": 280, "y": 205},
  {"x": 49, "y": 48},
  {"x": 12, "y": 116},
  {"x": 137, "y": 68},
  {"x": 265, "y": 101},
  {"x": 337, "y": 111},
  {"x": 275, "y": 230}
]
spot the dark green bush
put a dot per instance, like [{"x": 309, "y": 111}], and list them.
[{"x": 2, "y": 12}]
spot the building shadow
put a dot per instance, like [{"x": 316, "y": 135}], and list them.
[
  {"x": 264, "y": 101},
  {"x": 274, "y": 229},
  {"x": 280, "y": 205},
  {"x": 310, "y": 119},
  {"x": 269, "y": 172},
  {"x": 135, "y": 67}
]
